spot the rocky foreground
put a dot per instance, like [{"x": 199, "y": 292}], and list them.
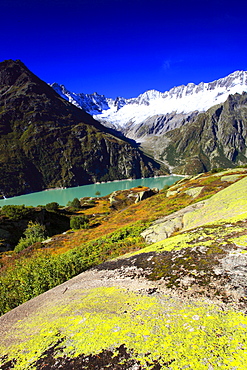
[{"x": 178, "y": 303}]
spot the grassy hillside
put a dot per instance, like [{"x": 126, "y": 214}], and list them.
[{"x": 174, "y": 304}]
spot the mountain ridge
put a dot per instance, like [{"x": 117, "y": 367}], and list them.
[
  {"x": 46, "y": 142},
  {"x": 214, "y": 139},
  {"x": 128, "y": 115}
]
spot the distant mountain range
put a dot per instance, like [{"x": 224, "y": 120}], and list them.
[
  {"x": 154, "y": 112},
  {"x": 191, "y": 129},
  {"x": 47, "y": 142}
]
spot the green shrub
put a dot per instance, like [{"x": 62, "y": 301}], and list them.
[
  {"x": 30, "y": 276},
  {"x": 79, "y": 222},
  {"x": 16, "y": 212},
  {"x": 75, "y": 204},
  {"x": 33, "y": 234},
  {"x": 53, "y": 206},
  {"x": 23, "y": 244}
]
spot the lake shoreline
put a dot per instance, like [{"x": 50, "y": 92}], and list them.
[
  {"x": 63, "y": 195},
  {"x": 107, "y": 182}
]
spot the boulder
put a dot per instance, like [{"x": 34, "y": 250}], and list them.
[
  {"x": 146, "y": 194},
  {"x": 166, "y": 226}
]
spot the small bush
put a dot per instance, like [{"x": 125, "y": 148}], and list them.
[
  {"x": 53, "y": 206},
  {"x": 33, "y": 234},
  {"x": 23, "y": 244},
  {"x": 79, "y": 222},
  {"x": 74, "y": 204}
]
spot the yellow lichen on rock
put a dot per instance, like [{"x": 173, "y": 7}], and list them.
[
  {"x": 183, "y": 334},
  {"x": 194, "y": 192},
  {"x": 229, "y": 203}
]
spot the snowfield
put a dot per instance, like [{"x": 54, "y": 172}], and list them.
[{"x": 180, "y": 99}]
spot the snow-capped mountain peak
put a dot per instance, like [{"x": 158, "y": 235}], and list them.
[
  {"x": 182, "y": 99},
  {"x": 91, "y": 103}
]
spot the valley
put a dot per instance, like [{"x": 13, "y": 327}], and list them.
[{"x": 139, "y": 278}]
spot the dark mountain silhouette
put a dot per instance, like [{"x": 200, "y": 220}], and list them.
[{"x": 47, "y": 142}]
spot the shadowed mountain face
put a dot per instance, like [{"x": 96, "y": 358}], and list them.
[
  {"x": 45, "y": 141},
  {"x": 216, "y": 138}
]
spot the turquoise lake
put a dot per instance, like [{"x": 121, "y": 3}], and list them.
[{"x": 63, "y": 196}]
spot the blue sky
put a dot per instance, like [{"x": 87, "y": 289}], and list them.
[{"x": 125, "y": 47}]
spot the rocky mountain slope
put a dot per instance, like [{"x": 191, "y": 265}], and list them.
[
  {"x": 47, "y": 142},
  {"x": 154, "y": 112},
  {"x": 177, "y": 302},
  {"x": 216, "y": 138}
]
